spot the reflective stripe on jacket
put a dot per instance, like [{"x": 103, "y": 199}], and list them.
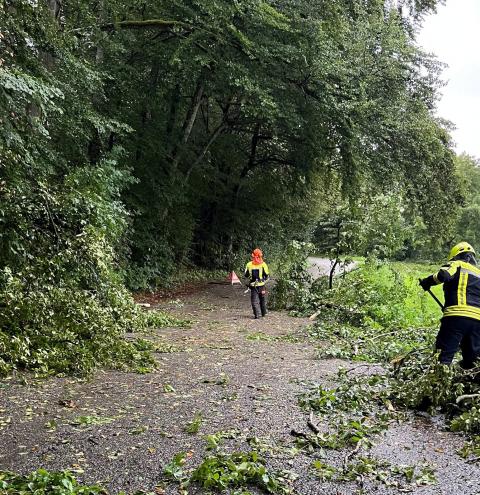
[
  {"x": 258, "y": 274},
  {"x": 461, "y": 286}
]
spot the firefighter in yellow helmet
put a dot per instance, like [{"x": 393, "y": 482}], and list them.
[
  {"x": 460, "y": 324},
  {"x": 257, "y": 273}
]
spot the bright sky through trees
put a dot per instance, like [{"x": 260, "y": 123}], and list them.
[{"x": 453, "y": 35}]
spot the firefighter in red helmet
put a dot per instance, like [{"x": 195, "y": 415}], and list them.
[{"x": 257, "y": 273}]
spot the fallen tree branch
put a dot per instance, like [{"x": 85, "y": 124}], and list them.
[
  {"x": 466, "y": 396},
  {"x": 398, "y": 360}
]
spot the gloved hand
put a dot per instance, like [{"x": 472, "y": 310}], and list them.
[{"x": 426, "y": 283}]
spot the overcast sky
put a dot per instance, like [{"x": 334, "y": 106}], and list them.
[{"x": 453, "y": 34}]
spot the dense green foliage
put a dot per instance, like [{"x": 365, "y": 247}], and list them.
[
  {"x": 42, "y": 482},
  {"x": 387, "y": 227},
  {"x": 63, "y": 304},
  {"x": 236, "y": 472},
  {"x": 138, "y": 137},
  {"x": 383, "y": 226},
  {"x": 380, "y": 303},
  {"x": 225, "y": 471},
  {"x": 292, "y": 280}
]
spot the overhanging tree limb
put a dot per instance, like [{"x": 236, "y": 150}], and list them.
[{"x": 160, "y": 24}]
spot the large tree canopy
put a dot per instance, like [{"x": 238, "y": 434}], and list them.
[{"x": 246, "y": 113}]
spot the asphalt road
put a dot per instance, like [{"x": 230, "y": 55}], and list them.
[{"x": 321, "y": 267}]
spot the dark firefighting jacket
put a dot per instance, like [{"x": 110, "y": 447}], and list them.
[{"x": 461, "y": 286}]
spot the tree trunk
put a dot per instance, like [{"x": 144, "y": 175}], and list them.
[
  {"x": 172, "y": 114},
  {"x": 201, "y": 156},
  {"x": 146, "y": 114},
  {"x": 337, "y": 257},
  {"x": 54, "y": 6},
  {"x": 249, "y": 166},
  {"x": 187, "y": 128},
  {"x": 99, "y": 55},
  {"x": 188, "y": 124},
  {"x": 332, "y": 273}
]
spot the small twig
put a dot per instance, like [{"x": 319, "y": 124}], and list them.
[
  {"x": 314, "y": 316},
  {"x": 471, "y": 372},
  {"x": 379, "y": 336},
  {"x": 472, "y": 460},
  {"x": 362, "y": 366},
  {"x": 312, "y": 425},
  {"x": 361, "y": 481},
  {"x": 350, "y": 454},
  {"x": 298, "y": 434},
  {"x": 466, "y": 396}
]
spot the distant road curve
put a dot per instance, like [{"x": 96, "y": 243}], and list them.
[{"x": 322, "y": 266}]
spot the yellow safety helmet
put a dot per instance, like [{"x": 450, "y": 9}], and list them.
[{"x": 461, "y": 247}]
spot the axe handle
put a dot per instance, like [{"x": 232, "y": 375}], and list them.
[{"x": 436, "y": 299}]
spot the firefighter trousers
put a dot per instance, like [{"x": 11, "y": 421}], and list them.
[
  {"x": 258, "y": 297},
  {"x": 459, "y": 332}
]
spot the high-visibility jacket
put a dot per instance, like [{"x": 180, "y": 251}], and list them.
[
  {"x": 461, "y": 286},
  {"x": 258, "y": 274}
]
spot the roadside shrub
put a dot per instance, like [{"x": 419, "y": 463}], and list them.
[
  {"x": 51, "y": 329},
  {"x": 292, "y": 281},
  {"x": 63, "y": 305}
]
